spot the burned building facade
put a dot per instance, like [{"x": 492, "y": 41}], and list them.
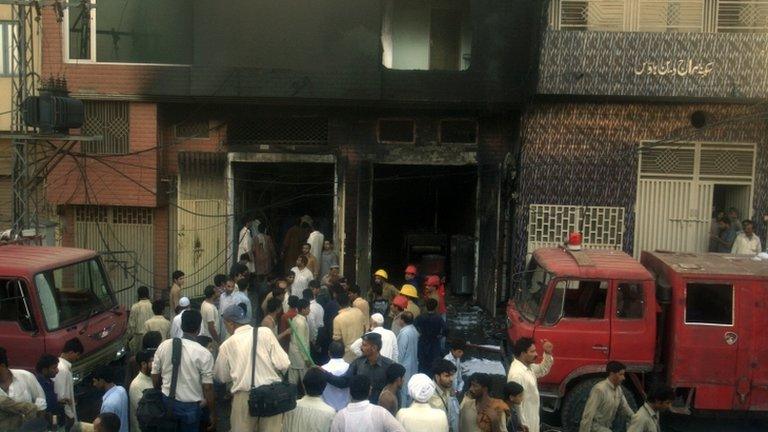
[{"x": 394, "y": 124}]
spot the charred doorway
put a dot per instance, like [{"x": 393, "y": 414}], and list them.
[
  {"x": 278, "y": 194},
  {"x": 420, "y": 214}
]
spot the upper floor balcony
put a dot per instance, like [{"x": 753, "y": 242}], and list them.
[{"x": 678, "y": 16}]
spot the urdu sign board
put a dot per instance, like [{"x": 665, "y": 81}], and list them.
[
  {"x": 674, "y": 68},
  {"x": 649, "y": 65}
]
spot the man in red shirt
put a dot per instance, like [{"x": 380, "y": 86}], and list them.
[{"x": 293, "y": 302}]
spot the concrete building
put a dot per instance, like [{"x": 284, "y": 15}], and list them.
[
  {"x": 394, "y": 124},
  {"x": 648, "y": 115}
]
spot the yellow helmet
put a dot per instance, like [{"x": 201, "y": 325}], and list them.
[
  {"x": 381, "y": 273},
  {"x": 409, "y": 290}
]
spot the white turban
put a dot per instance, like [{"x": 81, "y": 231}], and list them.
[
  {"x": 420, "y": 388},
  {"x": 377, "y": 318}
]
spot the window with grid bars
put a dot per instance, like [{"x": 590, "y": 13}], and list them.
[
  {"x": 711, "y": 16},
  {"x": 115, "y": 215},
  {"x": 91, "y": 214},
  {"x": 132, "y": 215},
  {"x": 279, "y": 130},
  {"x": 108, "y": 119}
]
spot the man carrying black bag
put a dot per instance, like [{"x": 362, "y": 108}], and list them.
[
  {"x": 194, "y": 380},
  {"x": 234, "y": 365}
]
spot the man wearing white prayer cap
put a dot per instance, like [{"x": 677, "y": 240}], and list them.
[
  {"x": 184, "y": 305},
  {"x": 388, "y": 339},
  {"x": 420, "y": 416}
]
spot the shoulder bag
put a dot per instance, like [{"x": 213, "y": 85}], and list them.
[
  {"x": 152, "y": 413},
  {"x": 270, "y": 399}
]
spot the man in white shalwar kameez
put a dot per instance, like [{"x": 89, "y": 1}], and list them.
[
  {"x": 362, "y": 416},
  {"x": 245, "y": 243},
  {"x": 525, "y": 372}
]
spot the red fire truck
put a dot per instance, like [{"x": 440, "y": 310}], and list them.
[
  {"x": 49, "y": 295},
  {"x": 692, "y": 321}
]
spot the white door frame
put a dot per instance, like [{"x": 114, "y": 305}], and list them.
[
  {"x": 695, "y": 179},
  {"x": 338, "y": 220}
]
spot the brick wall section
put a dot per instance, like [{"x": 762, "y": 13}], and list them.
[
  {"x": 117, "y": 180},
  {"x": 172, "y": 146}
]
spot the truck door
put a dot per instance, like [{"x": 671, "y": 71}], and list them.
[
  {"x": 706, "y": 349},
  {"x": 633, "y": 322},
  {"x": 576, "y": 323},
  {"x": 18, "y": 330}
]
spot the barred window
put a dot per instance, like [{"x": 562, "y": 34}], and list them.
[
  {"x": 110, "y": 120},
  {"x": 115, "y": 215},
  {"x": 278, "y": 130},
  {"x": 710, "y": 16},
  {"x": 132, "y": 215},
  {"x": 91, "y": 214}
]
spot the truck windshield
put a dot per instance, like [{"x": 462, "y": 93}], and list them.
[
  {"x": 534, "y": 288},
  {"x": 73, "y": 293}
]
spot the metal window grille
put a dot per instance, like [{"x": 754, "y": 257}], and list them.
[
  {"x": 727, "y": 16},
  {"x": 670, "y": 15},
  {"x": 91, "y": 214},
  {"x": 705, "y": 161},
  {"x": 111, "y": 121},
  {"x": 400, "y": 131},
  {"x": 458, "y": 131},
  {"x": 279, "y": 130},
  {"x": 549, "y": 225},
  {"x": 742, "y": 16},
  {"x": 7, "y": 30},
  {"x": 132, "y": 215},
  {"x": 193, "y": 128}
]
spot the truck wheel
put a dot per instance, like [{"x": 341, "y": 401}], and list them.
[{"x": 576, "y": 399}]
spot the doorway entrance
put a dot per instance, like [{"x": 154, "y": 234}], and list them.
[
  {"x": 278, "y": 194},
  {"x": 418, "y": 212},
  {"x": 680, "y": 186}
]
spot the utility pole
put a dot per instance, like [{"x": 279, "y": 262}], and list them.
[
  {"x": 26, "y": 153},
  {"x": 25, "y": 198}
]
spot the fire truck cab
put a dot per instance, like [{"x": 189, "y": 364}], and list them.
[
  {"x": 691, "y": 321},
  {"x": 49, "y": 295}
]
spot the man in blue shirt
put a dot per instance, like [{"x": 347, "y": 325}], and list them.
[
  {"x": 115, "y": 399},
  {"x": 725, "y": 236},
  {"x": 46, "y": 369}
]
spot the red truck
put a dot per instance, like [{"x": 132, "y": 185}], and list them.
[
  {"x": 692, "y": 321},
  {"x": 49, "y": 295}
]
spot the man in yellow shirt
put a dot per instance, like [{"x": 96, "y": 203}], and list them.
[
  {"x": 349, "y": 325},
  {"x": 141, "y": 312}
]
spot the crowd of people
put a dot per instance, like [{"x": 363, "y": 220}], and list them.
[
  {"x": 729, "y": 234},
  {"x": 361, "y": 363}
]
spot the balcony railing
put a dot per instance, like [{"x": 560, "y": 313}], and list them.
[{"x": 708, "y": 16}]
